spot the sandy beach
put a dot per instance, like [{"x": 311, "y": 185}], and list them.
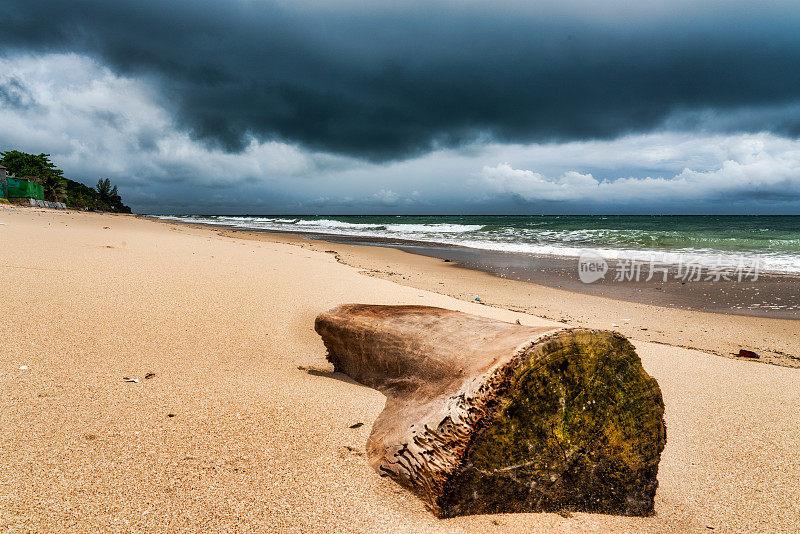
[
  {"x": 776, "y": 340},
  {"x": 244, "y": 427}
]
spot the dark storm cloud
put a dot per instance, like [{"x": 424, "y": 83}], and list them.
[{"x": 387, "y": 83}]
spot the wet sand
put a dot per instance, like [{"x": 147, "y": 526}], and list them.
[
  {"x": 756, "y": 294},
  {"x": 649, "y": 314},
  {"x": 259, "y": 438},
  {"x": 764, "y": 295}
]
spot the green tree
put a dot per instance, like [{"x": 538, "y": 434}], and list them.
[
  {"x": 105, "y": 190},
  {"x": 109, "y": 197},
  {"x": 55, "y": 186}
]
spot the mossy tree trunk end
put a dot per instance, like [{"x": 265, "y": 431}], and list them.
[{"x": 484, "y": 416}]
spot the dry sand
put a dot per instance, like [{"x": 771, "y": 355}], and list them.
[{"x": 256, "y": 443}]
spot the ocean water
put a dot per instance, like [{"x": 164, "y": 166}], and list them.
[{"x": 771, "y": 241}]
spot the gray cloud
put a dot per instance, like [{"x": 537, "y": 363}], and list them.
[
  {"x": 14, "y": 94},
  {"x": 172, "y": 173},
  {"x": 398, "y": 81}
]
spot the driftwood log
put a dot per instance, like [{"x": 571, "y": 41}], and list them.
[{"x": 484, "y": 416}]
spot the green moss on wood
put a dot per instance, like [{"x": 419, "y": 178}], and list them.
[{"x": 580, "y": 427}]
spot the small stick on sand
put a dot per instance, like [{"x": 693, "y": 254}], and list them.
[{"x": 484, "y": 416}]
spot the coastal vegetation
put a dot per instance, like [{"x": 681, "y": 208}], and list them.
[{"x": 58, "y": 188}]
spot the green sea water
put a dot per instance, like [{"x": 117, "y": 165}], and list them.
[{"x": 772, "y": 240}]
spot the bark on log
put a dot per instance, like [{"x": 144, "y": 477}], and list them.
[{"x": 484, "y": 416}]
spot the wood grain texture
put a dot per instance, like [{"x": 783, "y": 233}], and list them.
[{"x": 484, "y": 416}]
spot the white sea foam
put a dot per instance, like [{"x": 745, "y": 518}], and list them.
[
  {"x": 432, "y": 228},
  {"x": 562, "y": 243}
]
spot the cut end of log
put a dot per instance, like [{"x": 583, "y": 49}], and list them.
[
  {"x": 577, "y": 425},
  {"x": 484, "y": 416}
]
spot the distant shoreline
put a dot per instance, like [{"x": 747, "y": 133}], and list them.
[
  {"x": 772, "y": 243},
  {"x": 774, "y": 295}
]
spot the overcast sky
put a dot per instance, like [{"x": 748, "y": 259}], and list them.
[{"x": 323, "y": 106}]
